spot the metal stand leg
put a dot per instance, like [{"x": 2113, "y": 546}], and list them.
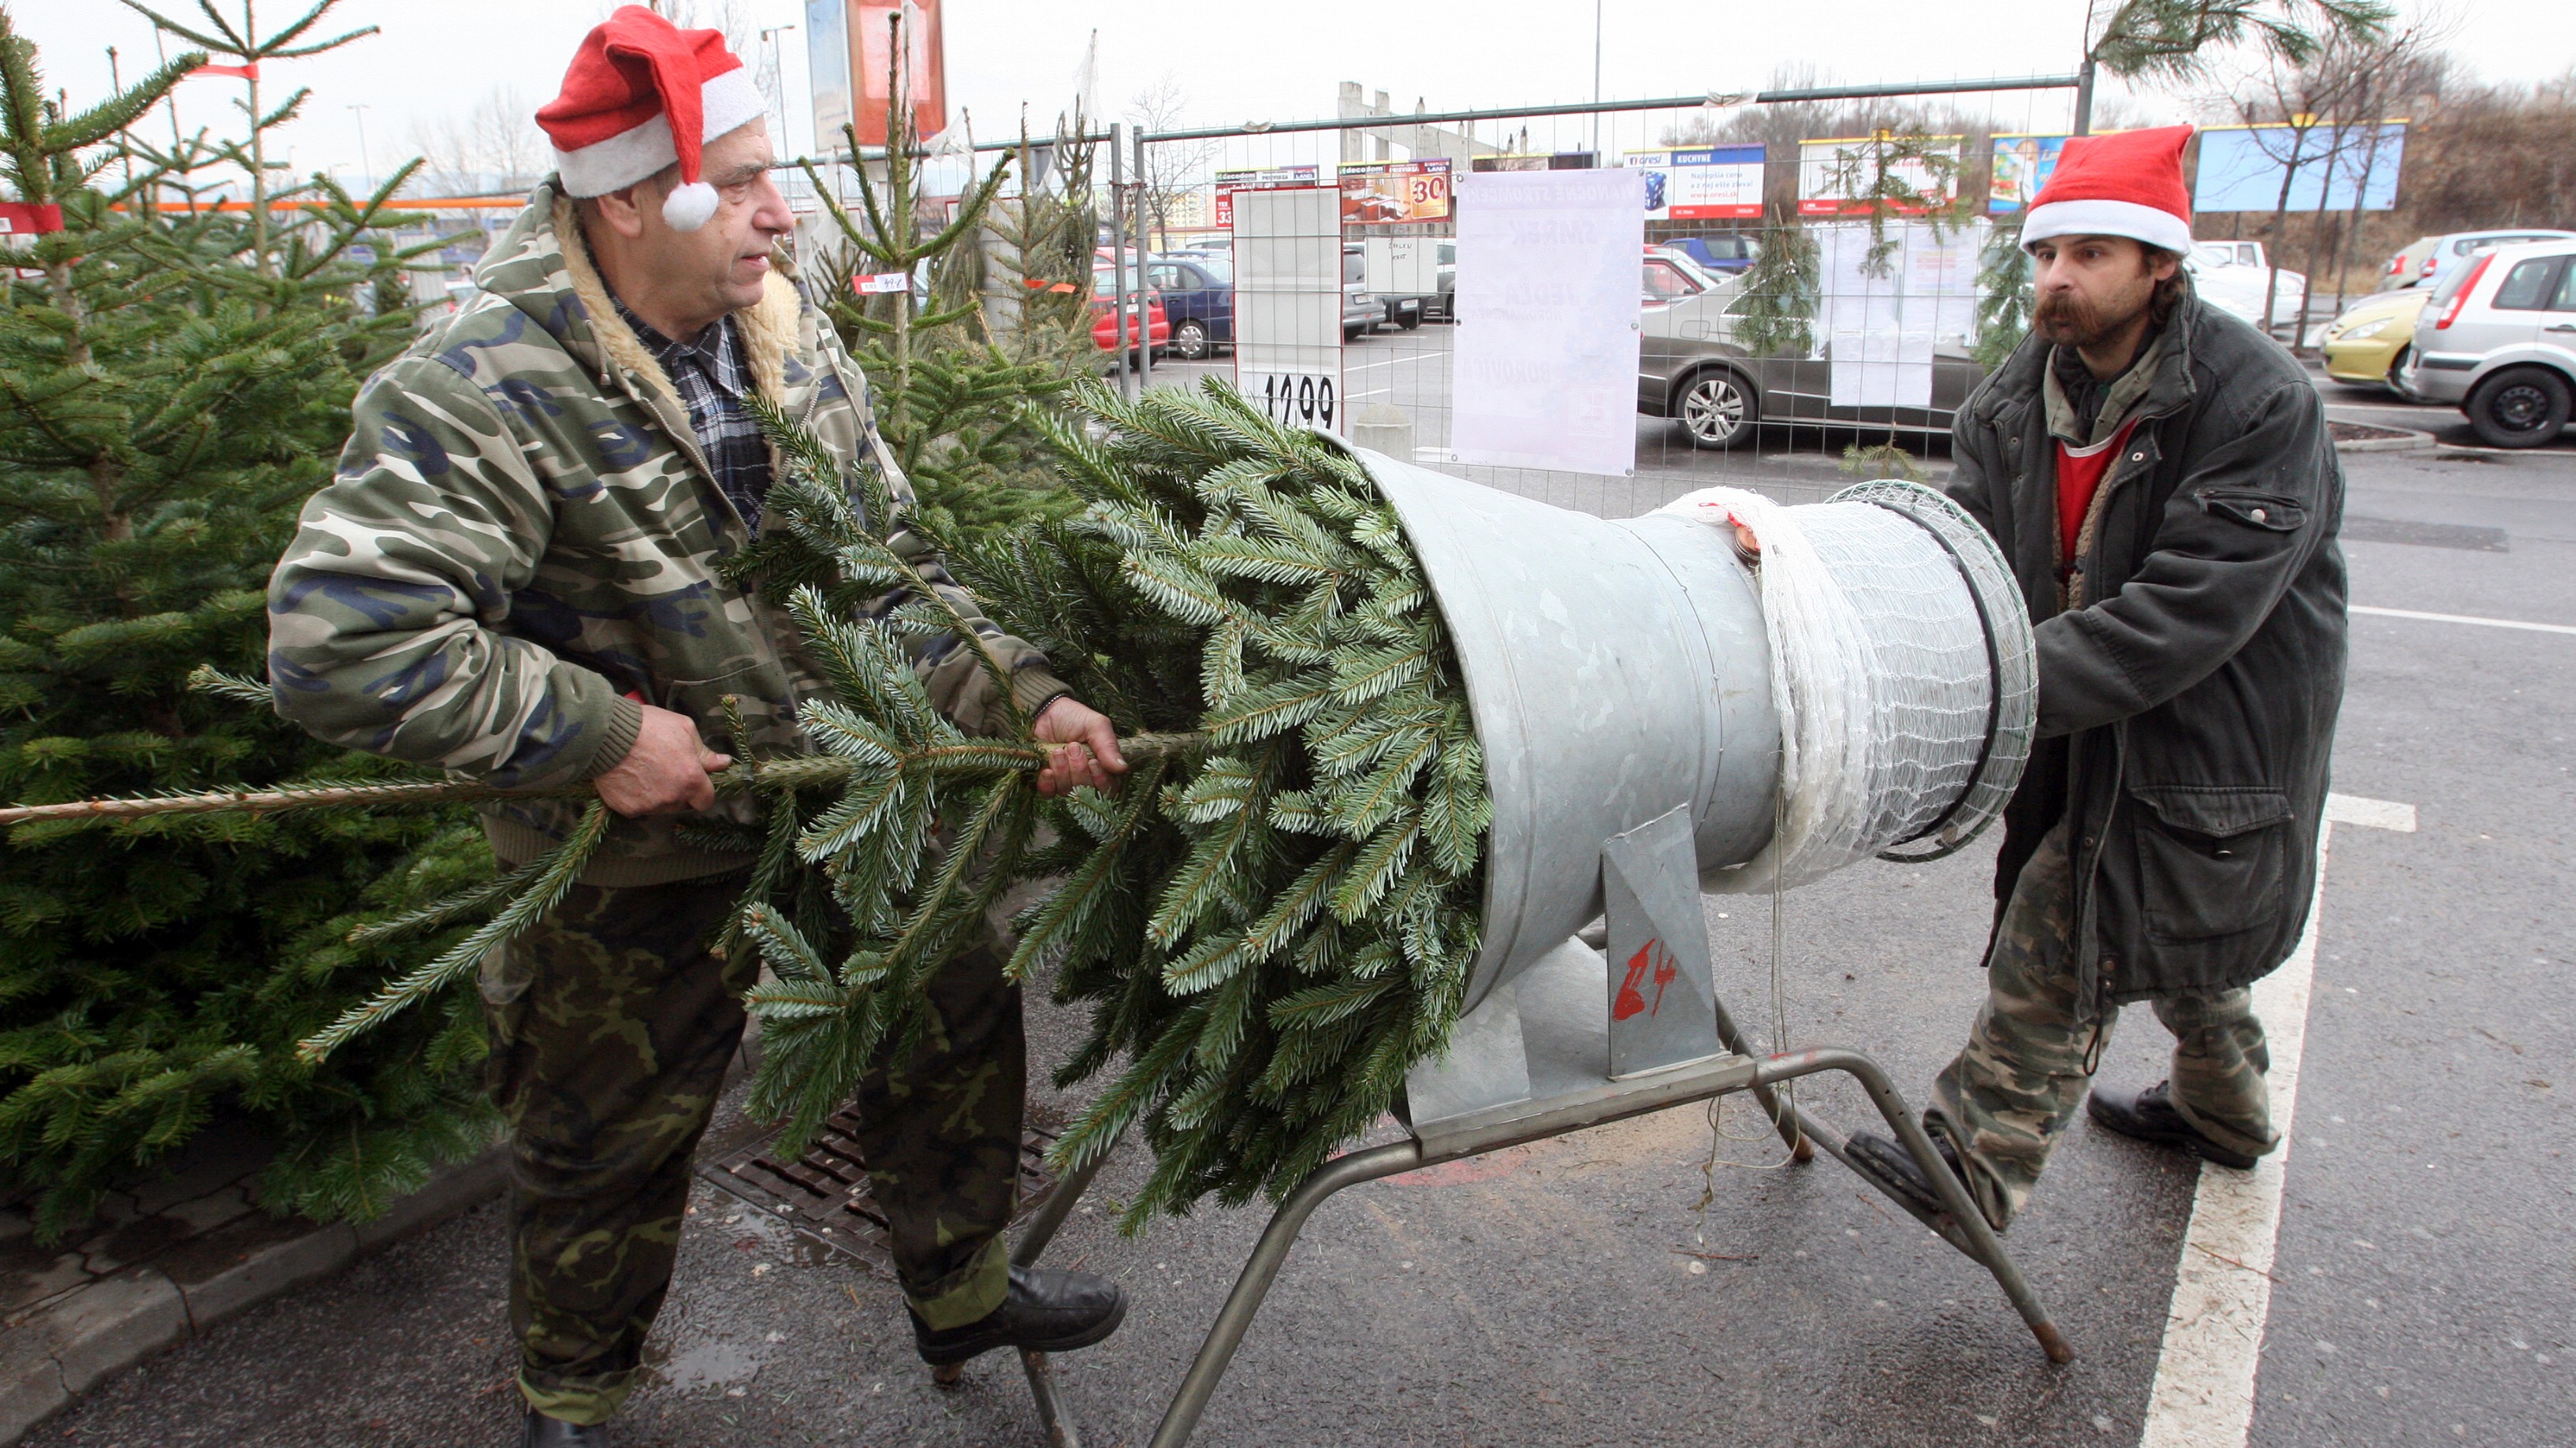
[
  {"x": 1053, "y": 1415},
  {"x": 1963, "y": 1226},
  {"x": 1785, "y": 1120},
  {"x": 1182, "y": 1418}
]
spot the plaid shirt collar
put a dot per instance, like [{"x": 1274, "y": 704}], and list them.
[{"x": 707, "y": 370}]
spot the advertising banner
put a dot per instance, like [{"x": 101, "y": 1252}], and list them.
[
  {"x": 2242, "y": 167},
  {"x": 1832, "y": 173},
  {"x": 1380, "y": 193},
  {"x": 827, "y": 67},
  {"x": 1546, "y": 363},
  {"x": 2023, "y": 164},
  {"x": 1706, "y": 183},
  {"x": 1266, "y": 178}
]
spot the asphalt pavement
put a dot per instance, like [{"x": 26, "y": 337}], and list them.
[{"x": 1620, "y": 1287}]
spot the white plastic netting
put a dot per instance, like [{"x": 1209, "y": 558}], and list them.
[{"x": 1901, "y": 669}]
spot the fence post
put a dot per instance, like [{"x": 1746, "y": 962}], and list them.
[
  {"x": 1144, "y": 290},
  {"x": 1118, "y": 247}
]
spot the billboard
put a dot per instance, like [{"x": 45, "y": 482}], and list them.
[
  {"x": 2242, "y": 167},
  {"x": 849, "y": 53},
  {"x": 1559, "y": 161},
  {"x": 1830, "y": 172},
  {"x": 1395, "y": 192},
  {"x": 2022, "y": 165},
  {"x": 1701, "y": 183},
  {"x": 1265, "y": 178}
]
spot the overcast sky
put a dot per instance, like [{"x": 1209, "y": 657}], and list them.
[{"x": 1232, "y": 62}]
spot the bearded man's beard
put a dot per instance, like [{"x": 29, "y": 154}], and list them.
[{"x": 2070, "y": 320}]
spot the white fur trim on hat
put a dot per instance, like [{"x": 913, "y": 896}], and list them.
[
  {"x": 2152, "y": 225},
  {"x": 638, "y": 152}
]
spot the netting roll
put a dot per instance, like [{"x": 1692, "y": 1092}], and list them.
[{"x": 1902, "y": 670}]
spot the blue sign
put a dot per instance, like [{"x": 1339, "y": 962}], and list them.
[{"x": 2242, "y": 167}]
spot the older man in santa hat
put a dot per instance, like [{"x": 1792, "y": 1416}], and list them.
[
  {"x": 2161, "y": 477},
  {"x": 515, "y": 576}
]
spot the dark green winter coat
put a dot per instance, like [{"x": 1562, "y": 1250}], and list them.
[{"x": 2190, "y": 666}]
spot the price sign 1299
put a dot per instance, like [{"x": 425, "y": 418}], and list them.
[{"x": 1296, "y": 399}]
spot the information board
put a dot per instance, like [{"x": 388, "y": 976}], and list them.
[
  {"x": 1705, "y": 183},
  {"x": 2022, "y": 165},
  {"x": 2241, "y": 167},
  {"x": 1546, "y": 364}
]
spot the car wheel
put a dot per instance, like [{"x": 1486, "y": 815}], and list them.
[
  {"x": 1410, "y": 320},
  {"x": 2397, "y": 371},
  {"x": 1717, "y": 410},
  {"x": 1190, "y": 340},
  {"x": 1352, "y": 334},
  {"x": 2521, "y": 408}
]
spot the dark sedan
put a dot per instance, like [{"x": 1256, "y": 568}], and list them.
[
  {"x": 1690, "y": 369},
  {"x": 1198, "y": 295}
]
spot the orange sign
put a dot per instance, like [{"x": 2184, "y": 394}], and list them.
[
  {"x": 1395, "y": 191},
  {"x": 925, "y": 69}
]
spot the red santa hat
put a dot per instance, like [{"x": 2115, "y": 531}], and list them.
[
  {"x": 2128, "y": 183},
  {"x": 642, "y": 93}
]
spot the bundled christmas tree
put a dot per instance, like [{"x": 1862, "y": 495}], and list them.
[{"x": 171, "y": 389}]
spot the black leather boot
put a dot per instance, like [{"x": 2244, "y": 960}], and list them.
[
  {"x": 2149, "y": 1115},
  {"x": 545, "y": 1432},
  {"x": 1046, "y": 1310},
  {"x": 1887, "y": 1161}
]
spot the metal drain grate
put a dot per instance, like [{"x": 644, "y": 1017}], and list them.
[{"x": 824, "y": 1193}]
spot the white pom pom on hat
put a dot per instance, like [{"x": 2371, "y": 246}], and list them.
[
  {"x": 642, "y": 94},
  {"x": 689, "y": 205}
]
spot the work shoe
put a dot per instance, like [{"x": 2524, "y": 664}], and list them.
[
  {"x": 2149, "y": 1115},
  {"x": 1047, "y": 1311},
  {"x": 545, "y": 1432},
  {"x": 1886, "y": 1161}
]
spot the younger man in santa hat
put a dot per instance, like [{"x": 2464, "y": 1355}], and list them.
[
  {"x": 2160, "y": 476},
  {"x": 514, "y": 576}
]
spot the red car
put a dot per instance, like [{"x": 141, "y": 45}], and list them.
[{"x": 1104, "y": 318}]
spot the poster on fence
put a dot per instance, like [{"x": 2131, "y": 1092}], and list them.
[
  {"x": 2242, "y": 167},
  {"x": 1546, "y": 363},
  {"x": 1885, "y": 314},
  {"x": 1395, "y": 193},
  {"x": 1704, "y": 183},
  {"x": 1838, "y": 177},
  {"x": 1266, "y": 178},
  {"x": 2022, "y": 165}
]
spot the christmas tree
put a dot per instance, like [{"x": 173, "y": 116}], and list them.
[{"x": 171, "y": 389}]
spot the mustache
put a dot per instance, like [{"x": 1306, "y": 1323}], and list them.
[{"x": 2070, "y": 314}]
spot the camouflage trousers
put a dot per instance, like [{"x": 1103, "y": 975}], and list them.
[
  {"x": 612, "y": 1024},
  {"x": 2029, "y": 1059}
]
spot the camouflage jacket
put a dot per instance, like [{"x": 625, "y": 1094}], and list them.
[{"x": 523, "y": 533}]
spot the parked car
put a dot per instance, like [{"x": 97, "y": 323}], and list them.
[
  {"x": 2499, "y": 339},
  {"x": 1363, "y": 309},
  {"x": 1198, "y": 297},
  {"x": 1727, "y": 253},
  {"x": 2371, "y": 341},
  {"x": 1145, "y": 317},
  {"x": 1444, "y": 305},
  {"x": 2412, "y": 263},
  {"x": 2233, "y": 275},
  {"x": 1691, "y": 369},
  {"x": 2433, "y": 257}
]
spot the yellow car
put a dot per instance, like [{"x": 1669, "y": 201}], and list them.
[{"x": 2367, "y": 344}]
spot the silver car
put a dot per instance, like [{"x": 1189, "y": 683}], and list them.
[
  {"x": 2499, "y": 339},
  {"x": 1690, "y": 368}
]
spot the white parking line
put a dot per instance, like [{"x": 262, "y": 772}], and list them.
[
  {"x": 2556, "y": 628},
  {"x": 2213, "y": 1347}
]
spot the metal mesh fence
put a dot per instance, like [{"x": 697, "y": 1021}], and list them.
[{"x": 1822, "y": 277}]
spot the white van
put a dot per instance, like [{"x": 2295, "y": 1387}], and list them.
[{"x": 2499, "y": 339}]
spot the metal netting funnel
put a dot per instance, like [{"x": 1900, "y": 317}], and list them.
[{"x": 1617, "y": 671}]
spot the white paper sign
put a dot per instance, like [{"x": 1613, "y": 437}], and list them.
[
  {"x": 1881, "y": 331},
  {"x": 1288, "y": 304},
  {"x": 1547, "y": 297}
]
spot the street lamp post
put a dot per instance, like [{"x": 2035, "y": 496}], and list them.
[{"x": 365, "y": 165}]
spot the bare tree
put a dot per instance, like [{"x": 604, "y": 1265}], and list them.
[
  {"x": 1171, "y": 169},
  {"x": 733, "y": 17},
  {"x": 492, "y": 146}
]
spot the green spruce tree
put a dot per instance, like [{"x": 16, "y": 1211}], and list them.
[{"x": 171, "y": 389}]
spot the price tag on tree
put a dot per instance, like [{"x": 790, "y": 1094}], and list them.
[
  {"x": 1295, "y": 399},
  {"x": 868, "y": 284}
]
